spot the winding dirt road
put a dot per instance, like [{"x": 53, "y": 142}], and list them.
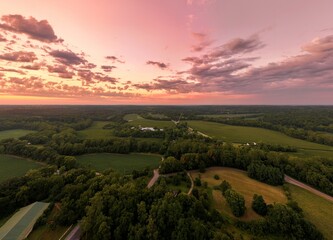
[{"x": 306, "y": 187}]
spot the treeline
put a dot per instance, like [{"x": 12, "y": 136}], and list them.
[{"x": 41, "y": 154}]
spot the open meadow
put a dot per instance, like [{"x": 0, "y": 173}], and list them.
[
  {"x": 12, "y": 166},
  {"x": 241, "y": 134},
  {"x": 316, "y": 209},
  {"x": 242, "y": 184},
  {"x": 136, "y": 120},
  {"x": 96, "y": 131},
  {"x": 123, "y": 163},
  {"x": 15, "y": 133}
]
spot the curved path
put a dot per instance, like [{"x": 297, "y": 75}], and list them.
[
  {"x": 306, "y": 187},
  {"x": 192, "y": 183},
  {"x": 154, "y": 178}
]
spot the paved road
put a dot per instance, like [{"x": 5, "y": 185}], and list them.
[
  {"x": 304, "y": 186},
  {"x": 74, "y": 234},
  {"x": 154, "y": 178}
]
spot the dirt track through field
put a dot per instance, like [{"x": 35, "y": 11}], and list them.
[{"x": 306, "y": 187}]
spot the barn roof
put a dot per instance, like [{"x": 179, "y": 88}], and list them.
[{"x": 21, "y": 223}]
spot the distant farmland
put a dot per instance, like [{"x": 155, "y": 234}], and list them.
[
  {"x": 96, "y": 131},
  {"x": 119, "y": 162},
  {"x": 15, "y": 133},
  {"x": 12, "y": 166},
  {"x": 241, "y": 134},
  {"x": 136, "y": 120}
]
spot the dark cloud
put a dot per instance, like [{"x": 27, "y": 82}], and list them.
[
  {"x": 62, "y": 71},
  {"x": 114, "y": 59},
  {"x": 223, "y": 70},
  {"x": 107, "y": 68},
  {"x": 161, "y": 65},
  {"x": 2, "y": 38},
  {"x": 19, "y": 56},
  {"x": 12, "y": 70},
  {"x": 68, "y": 57},
  {"x": 88, "y": 77},
  {"x": 237, "y": 46},
  {"x": 203, "y": 42},
  {"x": 39, "y": 30}
]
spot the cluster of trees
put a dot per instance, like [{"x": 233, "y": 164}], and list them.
[
  {"x": 259, "y": 205},
  {"x": 283, "y": 221},
  {"x": 268, "y": 174},
  {"x": 234, "y": 199}
]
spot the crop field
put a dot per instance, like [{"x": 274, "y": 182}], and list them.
[
  {"x": 12, "y": 166},
  {"x": 124, "y": 163},
  {"x": 316, "y": 209},
  {"x": 15, "y": 133},
  {"x": 136, "y": 120},
  {"x": 241, "y": 134},
  {"x": 242, "y": 184},
  {"x": 96, "y": 131}
]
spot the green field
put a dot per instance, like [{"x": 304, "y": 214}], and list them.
[
  {"x": 15, "y": 133},
  {"x": 241, "y": 134},
  {"x": 229, "y": 115},
  {"x": 316, "y": 209},
  {"x": 96, "y": 131},
  {"x": 136, "y": 120},
  {"x": 119, "y": 162},
  {"x": 12, "y": 166},
  {"x": 242, "y": 184}
]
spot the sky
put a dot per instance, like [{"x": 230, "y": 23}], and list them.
[{"x": 266, "y": 52}]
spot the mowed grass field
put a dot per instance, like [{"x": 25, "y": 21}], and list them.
[
  {"x": 316, "y": 209},
  {"x": 96, "y": 131},
  {"x": 12, "y": 166},
  {"x": 123, "y": 163},
  {"x": 241, "y": 134},
  {"x": 136, "y": 120},
  {"x": 241, "y": 183},
  {"x": 15, "y": 133}
]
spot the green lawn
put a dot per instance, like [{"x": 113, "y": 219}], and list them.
[
  {"x": 12, "y": 166},
  {"x": 96, "y": 131},
  {"x": 136, "y": 120},
  {"x": 15, "y": 133},
  {"x": 242, "y": 184},
  {"x": 241, "y": 134},
  {"x": 119, "y": 162},
  {"x": 316, "y": 209}
]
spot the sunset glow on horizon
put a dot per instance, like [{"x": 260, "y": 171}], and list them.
[{"x": 166, "y": 52}]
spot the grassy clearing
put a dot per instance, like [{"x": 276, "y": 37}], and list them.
[
  {"x": 15, "y": 133},
  {"x": 240, "y": 134},
  {"x": 136, "y": 120},
  {"x": 316, "y": 209},
  {"x": 12, "y": 166},
  {"x": 242, "y": 184},
  {"x": 158, "y": 116},
  {"x": 96, "y": 131},
  {"x": 229, "y": 115},
  {"x": 119, "y": 162}
]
